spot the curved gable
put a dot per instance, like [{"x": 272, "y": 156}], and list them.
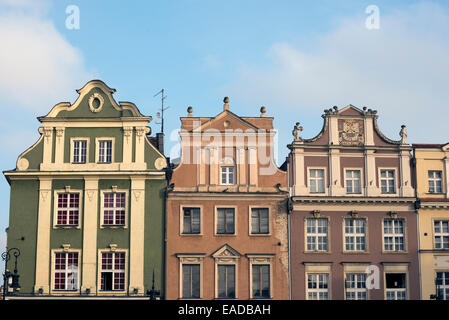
[{"x": 95, "y": 101}]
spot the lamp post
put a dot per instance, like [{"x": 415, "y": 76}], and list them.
[
  {"x": 154, "y": 294},
  {"x": 436, "y": 296},
  {"x": 10, "y": 280}
]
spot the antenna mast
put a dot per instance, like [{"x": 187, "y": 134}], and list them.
[
  {"x": 162, "y": 108},
  {"x": 160, "y": 136}
]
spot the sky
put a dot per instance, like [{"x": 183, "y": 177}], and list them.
[{"x": 297, "y": 58}]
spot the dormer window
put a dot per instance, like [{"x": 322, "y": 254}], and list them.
[{"x": 227, "y": 175}]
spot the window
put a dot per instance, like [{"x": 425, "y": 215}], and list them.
[
  {"x": 191, "y": 221},
  {"x": 68, "y": 209},
  {"x": 316, "y": 180},
  {"x": 387, "y": 181},
  {"x": 355, "y": 234},
  {"x": 435, "y": 182},
  {"x": 259, "y": 221},
  {"x": 227, "y": 175},
  {"x": 396, "y": 288},
  {"x": 317, "y": 234},
  {"x": 114, "y": 208},
  {"x": 318, "y": 286},
  {"x": 226, "y": 281},
  {"x": 79, "y": 151},
  {"x": 441, "y": 234},
  {"x": 113, "y": 271},
  {"x": 191, "y": 281},
  {"x": 225, "y": 221},
  {"x": 66, "y": 271},
  {"x": 105, "y": 151},
  {"x": 261, "y": 280},
  {"x": 394, "y": 235},
  {"x": 442, "y": 284},
  {"x": 355, "y": 286},
  {"x": 353, "y": 181}
]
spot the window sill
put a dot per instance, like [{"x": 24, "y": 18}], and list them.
[
  {"x": 191, "y": 234},
  {"x": 67, "y": 227},
  {"x": 260, "y": 234},
  {"x": 318, "y": 252},
  {"x": 105, "y": 226},
  {"x": 225, "y": 234}
]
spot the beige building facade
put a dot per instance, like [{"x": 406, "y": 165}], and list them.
[{"x": 432, "y": 170}]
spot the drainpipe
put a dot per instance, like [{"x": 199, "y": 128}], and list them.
[
  {"x": 289, "y": 206},
  {"x": 417, "y": 207}
]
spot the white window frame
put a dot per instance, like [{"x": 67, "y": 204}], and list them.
[
  {"x": 356, "y": 290},
  {"x": 127, "y": 203},
  {"x": 113, "y": 249},
  {"x": 181, "y": 220},
  {"x": 443, "y": 286},
  {"x": 353, "y": 179},
  {"x": 433, "y": 181},
  {"x": 309, "y": 179},
  {"x": 55, "y": 208},
  {"x": 395, "y": 291},
  {"x": 317, "y": 290},
  {"x": 395, "y": 181},
  {"x": 97, "y": 149},
  {"x": 53, "y": 272},
  {"x": 227, "y": 173},
  {"x": 250, "y": 221},
  {"x": 216, "y": 220},
  {"x": 72, "y": 150},
  {"x": 316, "y": 235},
  {"x": 440, "y": 234},
  {"x": 255, "y": 259},
  {"x": 394, "y": 234},
  {"x": 187, "y": 259},
  {"x": 355, "y": 235}
]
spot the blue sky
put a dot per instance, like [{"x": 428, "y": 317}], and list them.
[{"x": 295, "y": 57}]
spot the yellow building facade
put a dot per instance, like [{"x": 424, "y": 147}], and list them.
[{"x": 432, "y": 187}]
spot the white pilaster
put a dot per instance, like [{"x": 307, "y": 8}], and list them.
[
  {"x": 136, "y": 252},
  {"x": 59, "y": 146},
  {"x": 253, "y": 166},
  {"x": 48, "y": 145},
  {"x": 90, "y": 218},
  {"x": 371, "y": 188},
  {"x": 406, "y": 189},
  {"x": 43, "y": 237},
  {"x": 127, "y": 144}
]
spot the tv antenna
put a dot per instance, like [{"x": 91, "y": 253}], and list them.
[{"x": 161, "y": 114}]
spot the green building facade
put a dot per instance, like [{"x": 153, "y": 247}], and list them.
[{"x": 87, "y": 202}]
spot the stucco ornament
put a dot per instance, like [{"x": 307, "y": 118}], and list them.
[
  {"x": 403, "y": 134},
  {"x": 296, "y": 131},
  {"x": 160, "y": 163},
  {"x": 352, "y": 133},
  {"x": 22, "y": 164},
  {"x": 96, "y": 97}
]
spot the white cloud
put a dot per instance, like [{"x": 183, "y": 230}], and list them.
[
  {"x": 402, "y": 70},
  {"x": 39, "y": 66}
]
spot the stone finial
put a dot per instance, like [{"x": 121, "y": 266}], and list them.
[
  {"x": 226, "y": 103},
  {"x": 190, "y": 111},
  {"x": 296, "y": 130},
  {"x": 403, "y": 134},
  {"x": 263, "y": 110}
]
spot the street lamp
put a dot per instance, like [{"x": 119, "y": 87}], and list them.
[
  {"x": 154, "y": 294},
  {"x": 10, "y": 280},
  {"x": 436, "y": 296}
]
